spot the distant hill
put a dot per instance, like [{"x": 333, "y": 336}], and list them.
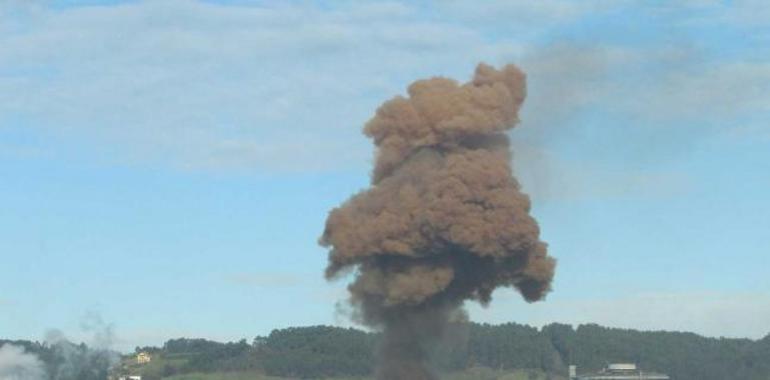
[{"x": 325, "y": 352}]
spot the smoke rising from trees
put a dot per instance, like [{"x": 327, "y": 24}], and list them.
[
  {"x": 16, "y": 364},
  {"x": 444, "y": 220},
  {"x": 58, "y": 358}
]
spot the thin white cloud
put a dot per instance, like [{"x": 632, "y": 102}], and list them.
[
  {"x": 198, "y": 85},
  {"x": 714, "y": 93},
  {"x": 670, "y": 98},
  {"x": 204, "y": 85},
  {"x": 263, "y": 280},
  {"x": 19, "y": 151},
  {"x": 741, "y": 13},
  {"x": 671, "y": 84},
  {"x": 525, "y": 14},
  {"x": 707, "y": 313},
  {"x": 547, "y": 177},
  {"x": 752, "y": 131}
]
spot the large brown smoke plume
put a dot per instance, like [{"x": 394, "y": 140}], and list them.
[{"x": 444, "y": 220}]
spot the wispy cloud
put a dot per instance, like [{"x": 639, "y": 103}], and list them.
[
  {"x": 707, "y": 313},
  {"x": 247, "y": 86},
  {"x": 711, "y": 93},
  {"x": 195, "y": 84},
  {"x": 263, "y": 280},
  {"x": 742, "y": 13},
  {"x": 523, "y": 14},
  {"x": 547, "y": 177}
]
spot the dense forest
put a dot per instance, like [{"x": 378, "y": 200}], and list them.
[{"x": 322, "y": 351}]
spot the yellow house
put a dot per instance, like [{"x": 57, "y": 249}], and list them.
[{"x": 143, "y": 358}]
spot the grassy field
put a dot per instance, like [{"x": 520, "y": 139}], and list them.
[
  {"x": 223, "y": 376},
  {"x": 242, "y": 376},
  {"x": 156, "y": 368},
  {"x": 471, "y": 374}
]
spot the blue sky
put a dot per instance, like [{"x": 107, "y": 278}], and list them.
[{"x": 169, "y": 164}]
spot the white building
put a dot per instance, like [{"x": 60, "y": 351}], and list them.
[
  {"x": 143, "y": 358},
  {"x": 619, "y": 371}
]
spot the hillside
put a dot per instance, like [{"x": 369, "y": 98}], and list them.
[{"x": 471, "y": 351}]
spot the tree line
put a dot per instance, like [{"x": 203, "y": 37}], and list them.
[{"x": 324, "y": 351}]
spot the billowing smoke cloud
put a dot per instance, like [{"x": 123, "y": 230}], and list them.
[
  {"x": 78, "y": 361},
  {"x": 444, "y": 220},
  {"x": 16, "y": 364}
]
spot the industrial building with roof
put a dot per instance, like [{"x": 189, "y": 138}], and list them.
[{"x": 623, "y": 371}]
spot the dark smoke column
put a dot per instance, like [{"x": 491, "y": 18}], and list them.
[{"x": 444, "y": 220}]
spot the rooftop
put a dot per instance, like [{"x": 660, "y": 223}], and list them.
[{"x": 623, "y": 371}]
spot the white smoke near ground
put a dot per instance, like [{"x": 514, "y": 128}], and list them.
[
  {"x": 17, "y": 364},
  {"x": 63, "y": 359}
]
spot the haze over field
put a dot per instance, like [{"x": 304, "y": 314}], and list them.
[{"x": 170, "y": 164}]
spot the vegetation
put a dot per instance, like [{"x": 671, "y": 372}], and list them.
[
  {"x": 64, "y": 360},
  {"x": 476, "y": 373},
  {"x": 223, "y": 376},
  {"x": 471, "y": 351}
]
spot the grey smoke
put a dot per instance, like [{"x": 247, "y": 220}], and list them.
[
  {"x": 17, "y": 364},
  {"x": 103, "y": 333},
  {"x": 64, "y": 360},
  {"x": 81, "y": 362}
]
